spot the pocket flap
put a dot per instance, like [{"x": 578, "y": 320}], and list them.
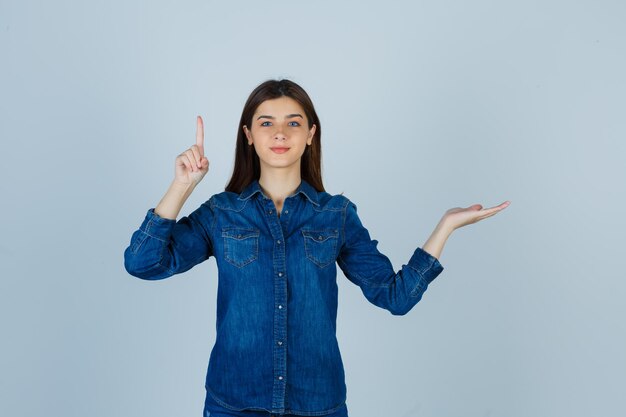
[
  {"x": 320, "y": 235},
  {"x": 239, "y": 233}
]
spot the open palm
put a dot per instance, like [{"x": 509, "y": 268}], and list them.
[{"x": 458, "y": 216}]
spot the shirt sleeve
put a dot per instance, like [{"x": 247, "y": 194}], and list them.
[
  {"x": 364, "y": 265},
  {"x": 163, "y": 247}
]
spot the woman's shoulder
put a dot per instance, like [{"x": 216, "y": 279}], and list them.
[
  {"x": 225, "y": 200},
  {"x": 333, "y": 201}
]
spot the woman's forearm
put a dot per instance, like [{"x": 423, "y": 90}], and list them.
[
  {"x": 436, "y": 241},
  {"x": 173, "y": 200}
]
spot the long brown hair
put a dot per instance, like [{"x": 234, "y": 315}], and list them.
[{"x": 247, "y": 165}]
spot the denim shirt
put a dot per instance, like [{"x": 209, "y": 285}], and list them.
[{"x": 276, "y": 348}]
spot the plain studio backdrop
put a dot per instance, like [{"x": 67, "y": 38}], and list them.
[{"x": 424, "y": 106}]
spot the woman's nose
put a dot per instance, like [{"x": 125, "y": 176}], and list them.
[{"x": 279, "y": 135}]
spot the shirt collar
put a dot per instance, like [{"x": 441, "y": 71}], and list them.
[{"x": 304, "y": 188}]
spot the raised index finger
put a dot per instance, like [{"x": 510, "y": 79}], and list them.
[{"x": 200, "y": 135}]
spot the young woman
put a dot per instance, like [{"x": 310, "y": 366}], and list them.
[{"x": 277, "y": 237}]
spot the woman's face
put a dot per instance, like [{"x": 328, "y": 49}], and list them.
[{"x": 279, "y": 133}]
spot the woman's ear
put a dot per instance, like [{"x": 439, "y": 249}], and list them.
[
  {"x": 248, "y": 135},
  {"x": 311, "y": 134}
]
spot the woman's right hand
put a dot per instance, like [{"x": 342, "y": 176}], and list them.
[{"x": 192, "y": 165}]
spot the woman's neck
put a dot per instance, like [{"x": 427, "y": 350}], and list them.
[{"x": 278, "y": 187}]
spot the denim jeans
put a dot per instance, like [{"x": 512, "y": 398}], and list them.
[{"x": 213, "y": 409}]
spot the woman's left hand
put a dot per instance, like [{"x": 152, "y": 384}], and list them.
[{"x": 458, "y": 216}]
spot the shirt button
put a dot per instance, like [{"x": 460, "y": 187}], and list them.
[
  {"x": 280, "y": 343},
  {"x": 280, "y": 274},
  {"x": 278, "y": 241},
  {"x": 270, "y": 211},
  {"x": 280, "y": 377},
  {"x": 320, "y": 238},
  {"x": 280, "y": 306},
  {"x": 286, "y": 211}
]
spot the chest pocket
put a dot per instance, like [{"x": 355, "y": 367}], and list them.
[
  {"x": 320, "y": 246},
  {"x": 241, "y": 245}
]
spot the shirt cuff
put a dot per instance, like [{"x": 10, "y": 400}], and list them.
[
  {"x": 156, "y": 226},
  {"x": 425, "y": 264}
]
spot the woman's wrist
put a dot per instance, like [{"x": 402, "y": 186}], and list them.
[
  {"x": 174, "y": 199},
  {"x": 435, "y": 243}
]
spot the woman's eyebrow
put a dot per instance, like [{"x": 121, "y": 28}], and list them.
[{"x": 286, "y": 117}]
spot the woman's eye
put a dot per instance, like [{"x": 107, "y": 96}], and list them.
[{"x": 293, "y": 124}]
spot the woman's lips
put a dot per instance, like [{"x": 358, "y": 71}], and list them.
[{"x": 279, "y": 150}]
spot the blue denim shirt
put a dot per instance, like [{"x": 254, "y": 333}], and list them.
[{"x": 276, "y": 348}]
